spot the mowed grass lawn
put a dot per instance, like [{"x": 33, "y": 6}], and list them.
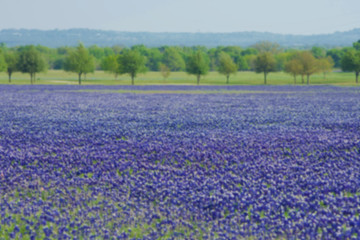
[{"x": 177, "y": 78}]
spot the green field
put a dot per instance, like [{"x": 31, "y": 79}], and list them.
[{"x": 177, "y": 78}]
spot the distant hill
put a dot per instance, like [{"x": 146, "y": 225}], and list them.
[{"x": 71, "y": 37}]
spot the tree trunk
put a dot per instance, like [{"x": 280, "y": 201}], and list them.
[
  {"x": 132, "y": 79},
  {"x": 79, "y": 78},
  {"x": 294, "y": 79},
  {"x": 227, "y": 79},
  {"x": 9, "y": 77},
  {"x": 265, "y": 74},
  {"x": 198, "y": 79},
  {"x": 31, "y": 78},
  {"x": 308, "y": 79},
  {"x": 357, "y": 77},
  {"x": 302, "y": 79},
  {"x": 34, "y": 77}
]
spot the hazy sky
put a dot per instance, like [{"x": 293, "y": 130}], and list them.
[{"x": 277, "y": 16}]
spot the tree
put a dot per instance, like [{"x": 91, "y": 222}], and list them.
[
  {"x": 294, "y": 68},
  {"x": 266, "y": 46},
  {"x": 356, "y": 45},
  {"x": 3, "y": 64},
  {"x": 154, "y": 57},
  {"x": 79, "y": 61},
  {"x": 325, "y": 65},
  {"x": 96, "y": 51},
  {"x": 309, "y": 64},
  {"x": 110, "y": 64},
  {"x": 30, "y": 61},
  {"x": 336, "y": 55},
  {"x": 165, "y": 71},
  {"x": 11, "y": 60},
  {"x": 318, "y": 52},
  {"x": 242, "y": 63},
  {"x": 173, "y": 59},
  {"x": 226, "y": 65},
  {"x": 351, "y": 63},
  {"x": 266, "y": 63},
  {"x": 131, "y": 62},
  {"x": 197, "y": 64},
  {"x": 281, "y": 59}
]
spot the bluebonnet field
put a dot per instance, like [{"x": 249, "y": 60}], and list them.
[{"x": 247, "y": 162}]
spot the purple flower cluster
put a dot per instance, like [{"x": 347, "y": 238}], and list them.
[{"x": 263, "y": 163}]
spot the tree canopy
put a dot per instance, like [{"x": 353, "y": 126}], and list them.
[
  {"x": 325, "y": 65},
  {"x": 165, "y": 59},
  {"x": 79, "y": 61},
  {"x": 197, "y": 64},
  {"x": 3, "y": 64},
  {"x": 173, "y": 59},
  {"x": 356, "y": 45},
  {"x": 110, "y": 64},
  {"x": 132, "y": 63},
  {"x": 226, "y": 65},
  {"x": 309, "y": 64},
  {"x": 293, "y": 67},
  {"x": 265, "y": 63},
  {"x": 30, "y": 61},
  {"x": 11, "y": 60},
  {"x": 266, "y": 46},
  {"x": 351, "y": 63}
]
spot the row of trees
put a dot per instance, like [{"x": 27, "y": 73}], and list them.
[
  {"x": 264, "y": 57},
  {"x": 300, "y": 63},
  {"x": 27, "y": 60}
]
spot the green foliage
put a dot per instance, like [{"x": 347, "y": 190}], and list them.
[
  {"x": 110, "y": 64},
  {"x": 265, "y": 63},
  {"x": 79, "y": 61},
  {"x": 11, "y": 59},
  {"x": 63, "y": 50},
  {"x": 3, "y": 64},
  {"x": 325, "y": 65},
  {"x": 226, "y": 65},
  {"x": 318, "y": 52},
  {"x": 58, "y": 63},
  {"x": 153, "y": 61},
  {"x": 173, "y": 59},
  {"x": 212, "y": 78},
  {"x": 293, "y": 67},
  {"x": 249, "y": 51},
  {"x": 250, "y": 60},
  {"x": 351, "y": 62},
  {"x": 117, "y": 49},
  {"x": 197, "y": 64},
  {"x": 165, "y": 71},
  {"x": 132, "y": 63},
  {"x": 96, "y": 51},
  {"x": 30, "y": 61},
  {"x": 242, "y": 63},
  {"x": 336, "y": 55},
  {"x": 141, "y": 48},
  {"x": 266, "y": 46},
  {"x": 213, "y": 55},
  {"x": 356, "y": 45},
  {"x": 309, "y": 64},
  {"x": 281, "y": 59}
]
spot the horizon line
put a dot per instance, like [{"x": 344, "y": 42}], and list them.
[{"x": 171, "y": 32}]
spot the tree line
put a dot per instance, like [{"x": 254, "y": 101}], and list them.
[{"x": 263, "y": 57}]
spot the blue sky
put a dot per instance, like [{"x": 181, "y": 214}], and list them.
[{"x": 277, "y": 16}]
